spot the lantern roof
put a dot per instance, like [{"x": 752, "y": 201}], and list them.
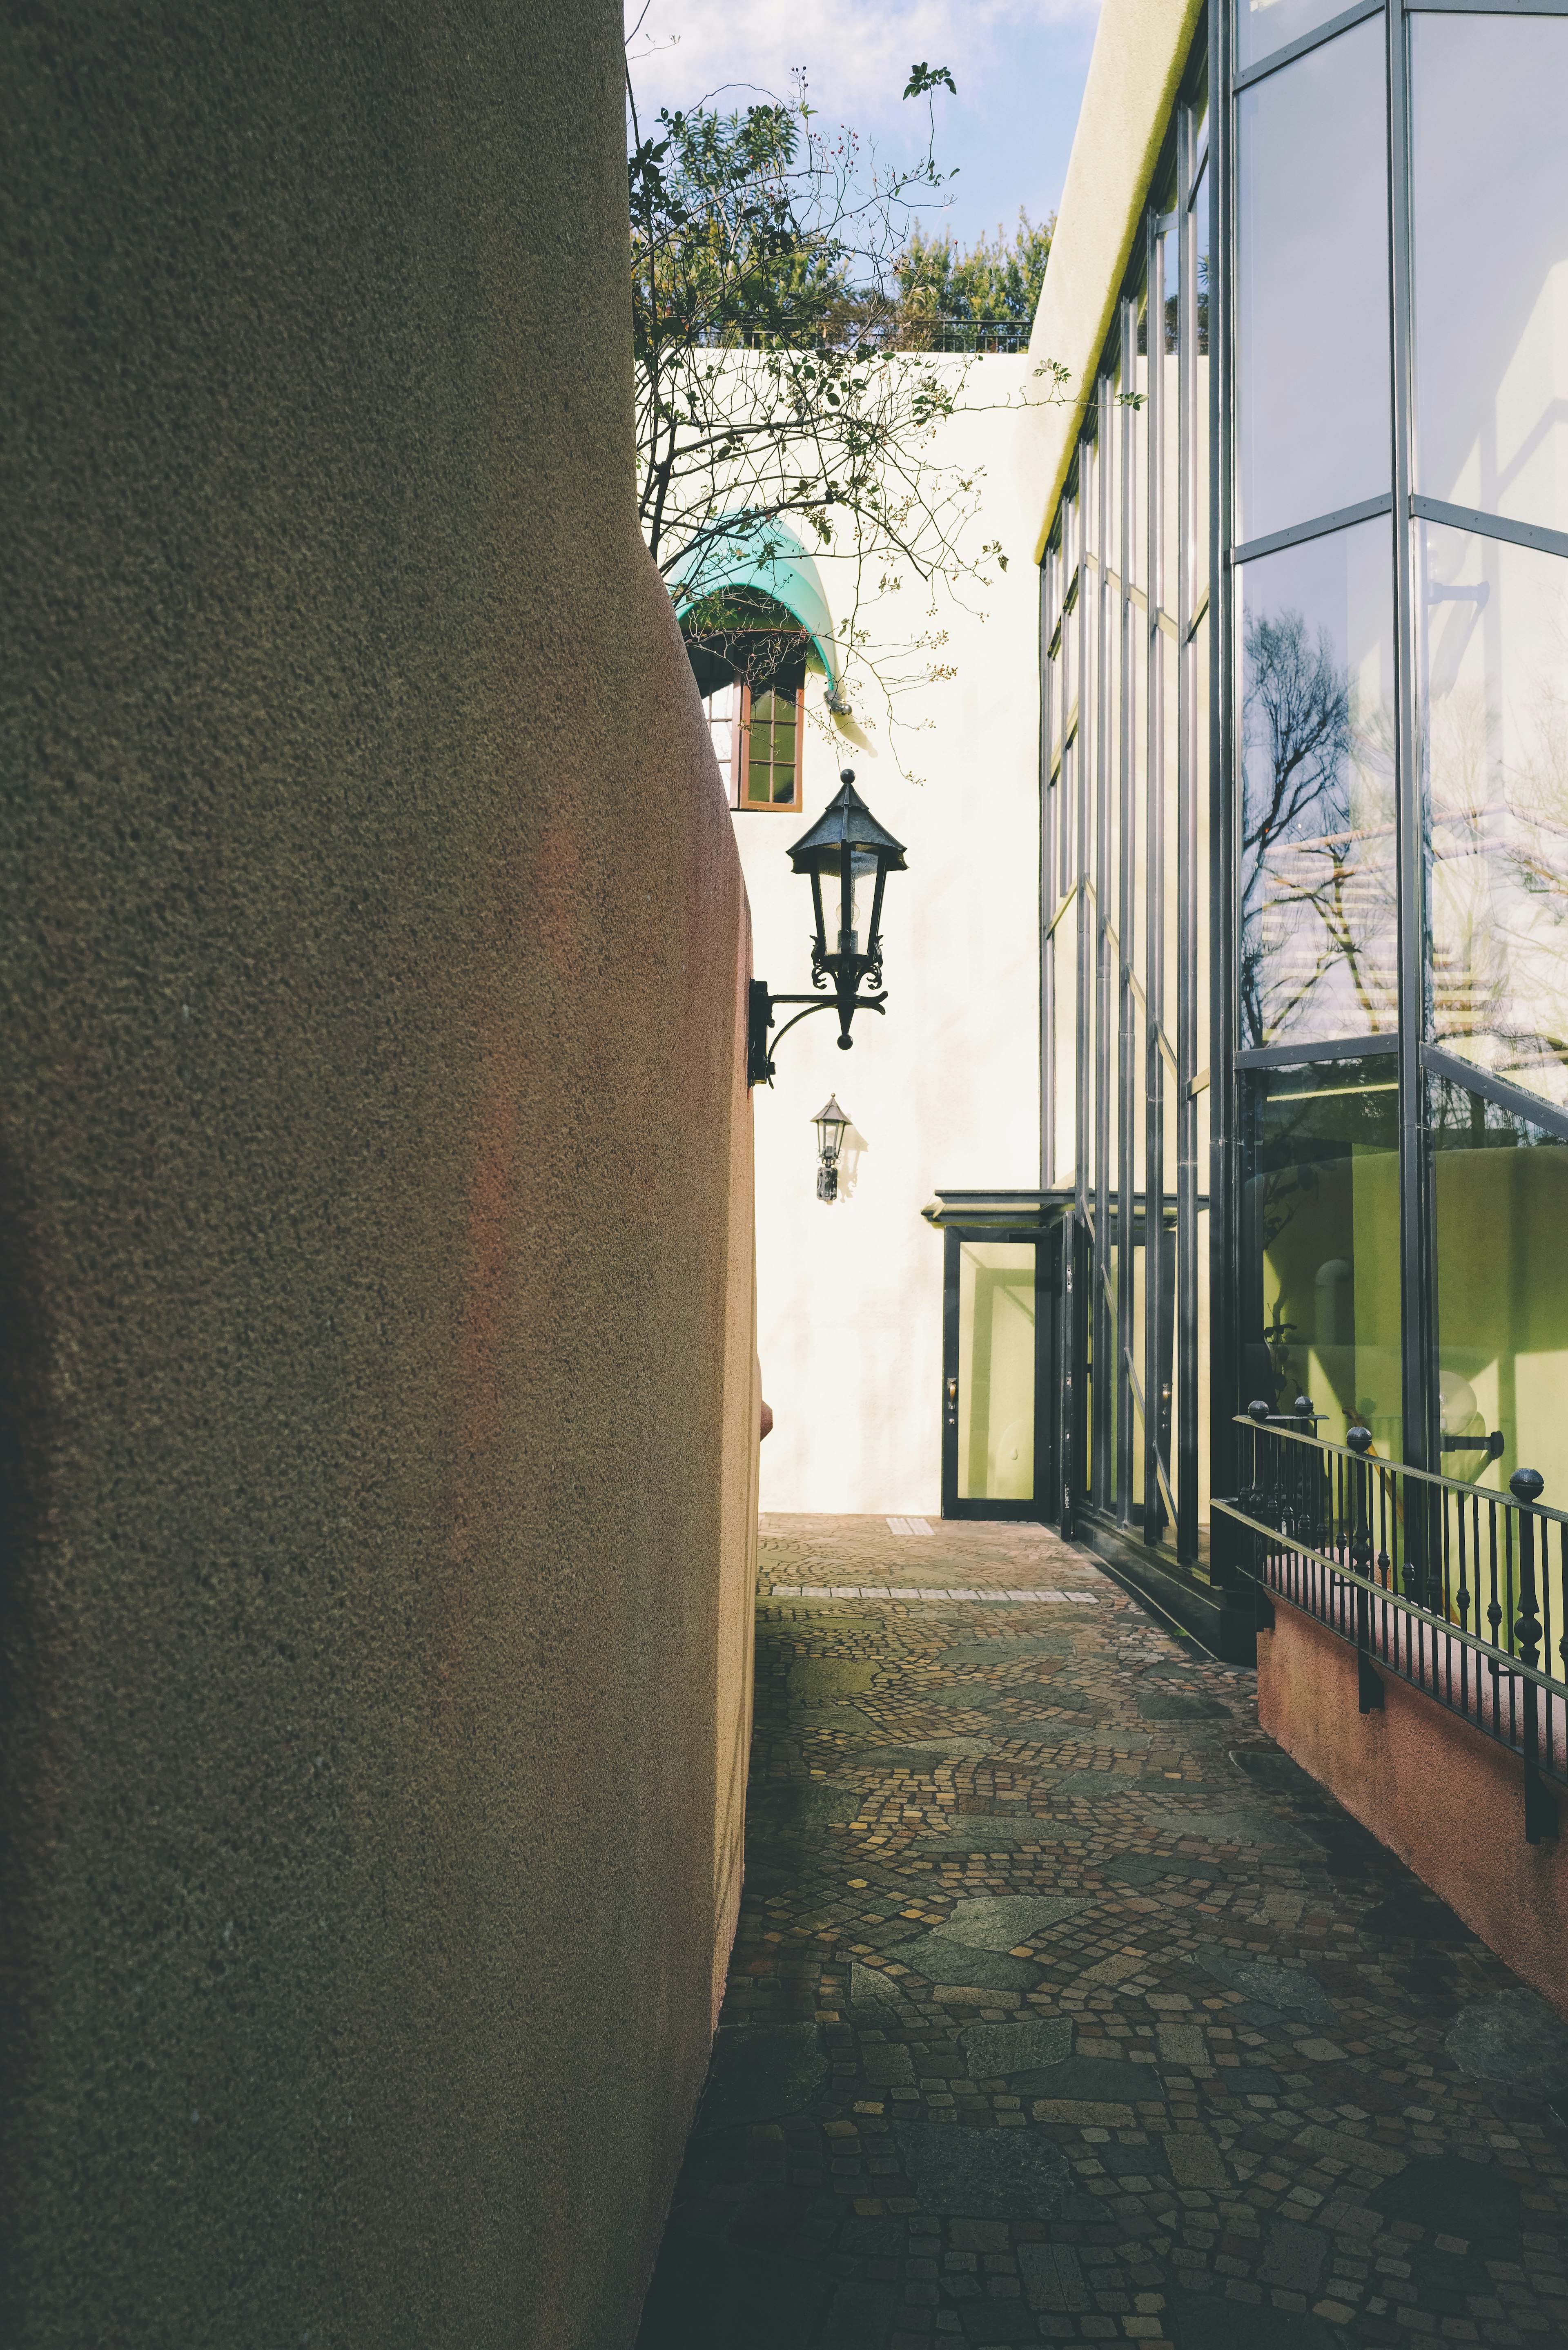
[
  {"x": 846, "y": 817},
  {"x": 830, "y": 1113}
]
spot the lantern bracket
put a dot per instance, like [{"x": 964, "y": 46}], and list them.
[{"x": 760, "y": 1019}]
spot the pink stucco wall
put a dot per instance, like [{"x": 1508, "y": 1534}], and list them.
[{"x": 1433, "y": 1789}]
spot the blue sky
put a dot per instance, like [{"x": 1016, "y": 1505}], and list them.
[{"x": 1019, "y": 65}]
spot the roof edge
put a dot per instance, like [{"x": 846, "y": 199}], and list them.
[{"x": 1140, "y": 53}]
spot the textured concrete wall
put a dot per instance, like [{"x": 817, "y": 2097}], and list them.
[
  {"x": 377, "y": 1259},
  {"x": 1448, "y": 1800}
]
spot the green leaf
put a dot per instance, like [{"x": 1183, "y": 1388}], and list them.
[{"x": 924, "y": 78}]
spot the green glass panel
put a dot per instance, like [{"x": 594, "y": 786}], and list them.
[
  {"x": 1321, "y": 1246},
  {"x": 996, "y": 1371},
  {"x": 1500, "y": 1186}
]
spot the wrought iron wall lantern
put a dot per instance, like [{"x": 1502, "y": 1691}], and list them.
[
  {"x": 848, "y": 858},
  {"x": 830, "y": 1123}
]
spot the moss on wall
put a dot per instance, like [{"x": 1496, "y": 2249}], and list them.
[{"x": 376, "y": 1249}]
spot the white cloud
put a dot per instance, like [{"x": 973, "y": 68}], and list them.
[{"x": 857, "y": 52}]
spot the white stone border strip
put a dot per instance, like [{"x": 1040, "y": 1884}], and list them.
[
  {"x": 907, "y": 1526},
  {"x": 907, "y": 1591}
]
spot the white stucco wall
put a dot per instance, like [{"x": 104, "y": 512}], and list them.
[{"x": 944, "y": 1088}]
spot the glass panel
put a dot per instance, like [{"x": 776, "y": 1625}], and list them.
[
  {"x": 1320, "y": 1241},
  {"x": 1171, "y": 903},
  {"x": 1140, "y": 1388},
  {"x": 721, "y": 726},
  {"x": 1264, "y": 26},
  {"x": 1318, "y": 948},
  {"x": 1490, "y": 231},
  {"x": 1199, "y": 690},
  {"x": 1495, "y": 701},
  {"x": 1138, "y": 939},
  {"x": 1063, "y": 952},
  {"x": 996, "y": 1371},
  {"x": 1202, "y": 1383},
  {"x": 1311, "y": 379},
  {"x": 1201, "y": 396},
  {"x": 770, "y": 765},
  {"x": 1501, "y": 1194},
  {"x": 1139, "y": 387},
  {"x": 1170, "y": 435}
]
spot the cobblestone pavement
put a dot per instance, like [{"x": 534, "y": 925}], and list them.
[{"x": 1065, "y": 2009}]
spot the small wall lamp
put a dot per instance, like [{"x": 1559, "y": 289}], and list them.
[
  {"x": 847, "y": 850},
  {"x": 830, "y": 1123}
]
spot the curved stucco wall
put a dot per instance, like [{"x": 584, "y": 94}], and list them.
[{"x": 377, "y": 1245}]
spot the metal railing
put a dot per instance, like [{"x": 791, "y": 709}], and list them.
[
  {"x": 1460, "y": 1592},
  {"x": 896, "y": 331}
]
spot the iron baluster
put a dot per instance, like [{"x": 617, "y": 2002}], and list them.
[
  {"x": 1369, "y": 1689},
  {"x": 1539, "y": 1812}
]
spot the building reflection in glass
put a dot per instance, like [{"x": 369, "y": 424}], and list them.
[{"x": 1319, "y": 935}]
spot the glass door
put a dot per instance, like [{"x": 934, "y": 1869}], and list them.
[{"x": 998, "y": 1334}]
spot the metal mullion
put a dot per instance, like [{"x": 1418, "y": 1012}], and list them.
[
  {"x": 1346, "y": 19},
  {"x": 1486, "y": 7},
  {"x": 1187, "y": 443},
  {"x": 1075, "y": 1395},
  {"x": 1154, "y": 1075},
  {"x": 1104, "y": 1063},
  {"x": 1081, "y": 1102},
  {"x": 1320, "y": 526},
  {"x": 1224, "y": 1163},
  {"x": 1517, "y": 1100},
  {"x": 1489, "y": 525},
  {"x": 1328, "y": 1048},
  {"x": 1126, "y": 1041},
  {"x": 1417, "y": 1252},
  {"x": 1047, "y": 886}
]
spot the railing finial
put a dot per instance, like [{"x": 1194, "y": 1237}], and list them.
[
  {"x": 1358, "y": 1439},
  {"x": 1527, "y": 1485}
]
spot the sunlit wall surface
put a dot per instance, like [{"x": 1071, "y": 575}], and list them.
[{"x": 1124, "y": 880}]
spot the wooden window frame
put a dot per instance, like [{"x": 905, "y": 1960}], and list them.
[{"x": 740, "y": 755}]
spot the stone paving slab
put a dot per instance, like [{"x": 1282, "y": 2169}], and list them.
[{"x": 1105, "y": 2026}]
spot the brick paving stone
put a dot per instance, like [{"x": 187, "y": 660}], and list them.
[{"x": 1065, "y": 2009}]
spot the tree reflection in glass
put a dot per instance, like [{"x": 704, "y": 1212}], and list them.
[
  {"x": 1495, "y": 704},
  {"x": 1318, "y": 928}
]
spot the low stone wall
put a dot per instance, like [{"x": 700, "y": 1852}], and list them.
[{"x": 1448, "y": 1800}]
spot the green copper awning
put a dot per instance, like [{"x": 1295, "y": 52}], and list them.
[{"x": 751, "y": 554}]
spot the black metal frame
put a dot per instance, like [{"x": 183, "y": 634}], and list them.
[{"x": 1045, "y": 1502}]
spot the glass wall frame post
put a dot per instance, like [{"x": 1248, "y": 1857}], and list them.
[
  {"x": 1127, "y": 1026},
  {"x": 1155, "y": 1075},
  {"x": 1189, "y": 441},
  {"x": 1103, "y": 1064},
  {"x": 1418, "y": 1254},
  {"x": 1048, "y": 852},
  {"x": 1081, "y": 1248},
  {"x": 1224, "y": 1137}
]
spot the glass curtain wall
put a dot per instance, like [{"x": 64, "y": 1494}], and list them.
[
  {"x": 1390, "y": 776},
  {"x": 1125, "y": 596},
  {"x": 1304, "y": 781}
]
